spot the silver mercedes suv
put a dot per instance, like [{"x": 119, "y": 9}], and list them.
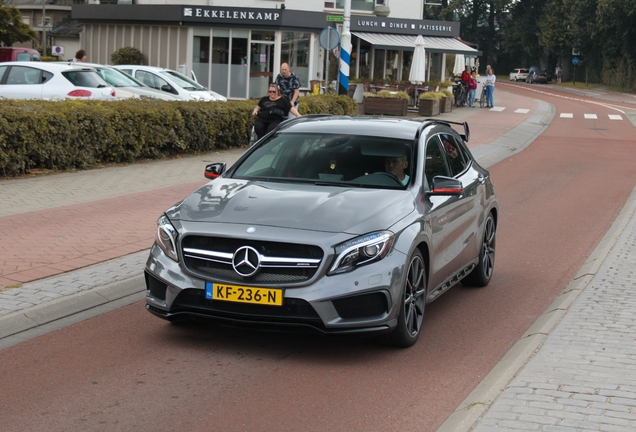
[{"x": 335, "y": 224}]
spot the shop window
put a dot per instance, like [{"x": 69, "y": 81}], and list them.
[
  {"x": 262, "y": 35},
  {"x": 220, "y": 57},
  {"x": 295, "y": 52},
  {"x": 238, "y": 65}
]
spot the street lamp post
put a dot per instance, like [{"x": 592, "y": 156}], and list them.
[{"x": 44, "y": 28}]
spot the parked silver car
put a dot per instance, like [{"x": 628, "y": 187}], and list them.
[
  {"x": 336, "y": 224},
  {"x": 127, "y": 87},
  {"x": 171, "y": 82},
  {"x": 42, "y": 80}
]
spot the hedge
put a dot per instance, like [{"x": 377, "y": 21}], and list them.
[{"x": 73, "y": 134}]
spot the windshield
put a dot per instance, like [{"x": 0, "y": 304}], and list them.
[
  {"x": 348, "y": 160},
  {"x": 183, "y": 81},
  {"x": 117, "y": 78}
]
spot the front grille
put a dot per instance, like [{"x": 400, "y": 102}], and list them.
[
  {"x": 362, "y": 306},
  {"x": 281, "y": 262},
  {"x": 292, "y": 310}
]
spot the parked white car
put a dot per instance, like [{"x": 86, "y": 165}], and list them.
[
  {"x": 41, "y": 80},
  {"x": 128, "y": 87},
  {"x": 171, "y": 82},
  {"x": 519, "y": 74}
]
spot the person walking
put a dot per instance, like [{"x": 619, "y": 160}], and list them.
[
  {"x": 472, "y": 88},
  {"x": 559, "y": 74},
  {"x": 80, "y": 56},
  {"x": 490, "y": 88},
  {"x": 271, "y": 111},
  {"x": 289, "y": 84}
]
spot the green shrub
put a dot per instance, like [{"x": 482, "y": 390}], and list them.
[
  {"x": 430, "y": 95},
  {"x": 69, "y": 134},
  {"x": 388, "y": 94},
  {"x": 127, "y": 55}
]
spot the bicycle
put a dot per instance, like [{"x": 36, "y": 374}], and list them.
[
  {"x": 461, "y": 96},
  {"x": 482, "y": 98}
]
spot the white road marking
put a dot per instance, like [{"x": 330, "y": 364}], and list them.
[
  {"x": 615, "y": 117},
  {"x": 499, "y": 109},
  {"x": 566, "y": 115},
  {"x": 590, "y": 116},
  {"x": 522, "y": 111}
]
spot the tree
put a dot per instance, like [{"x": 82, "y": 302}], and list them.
[{"x": 12, "y": 29}]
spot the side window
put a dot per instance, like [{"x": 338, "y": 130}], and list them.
[
  {"x": 434, "y": 165},
  {"x": 46, "y": 76},
  {"x": 23, "y": 56},
  {"x": 20, "y": 75},
  {"x": 454, "y": 154},
  {"x": 150, "y": 79},
  {"x": 3, "y": 70}
]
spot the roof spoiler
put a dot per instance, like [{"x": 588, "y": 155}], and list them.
[{"x": 465, "y": 136}]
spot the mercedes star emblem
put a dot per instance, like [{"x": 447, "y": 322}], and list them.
[{"x": 246, "y": 261}]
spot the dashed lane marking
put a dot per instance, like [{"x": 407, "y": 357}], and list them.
[
  {"x": 590, "y": 116},
  {"x": 498, "y": 109},
  {"x": 522, "y": 111},
  {"x": 615, "y": 117},
  {"x": 566, "y": 115}
]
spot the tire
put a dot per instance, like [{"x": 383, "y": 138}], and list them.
[
  {"x": 482, "y": 273},
  {"x": 482, "y": 100},
  {"x": 412, "y": 304}
]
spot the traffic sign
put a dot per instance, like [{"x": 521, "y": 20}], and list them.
[
  {"x": 329, "y": 38},
  {"x": 575, "y": 61},
  {"x": 335, "y": 18}
]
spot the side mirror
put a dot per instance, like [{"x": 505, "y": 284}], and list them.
[
  {"x": 168, "y": 88},
  {"x": 446, "y": 186},
  {"x": 214, "y": 170}
]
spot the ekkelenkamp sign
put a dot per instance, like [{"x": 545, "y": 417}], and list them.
[{"x": 229, "y": 15}]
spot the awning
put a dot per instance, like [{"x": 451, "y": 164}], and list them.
[{"x": 407, "y": 43}]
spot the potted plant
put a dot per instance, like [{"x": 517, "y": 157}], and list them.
[
  {"x": 428, "y": 104},
  {"x": 385, "y": 102},
  {"x": 446, "y": 102}
]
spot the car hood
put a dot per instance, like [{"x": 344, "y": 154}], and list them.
[{"x": 293, "y": 205}]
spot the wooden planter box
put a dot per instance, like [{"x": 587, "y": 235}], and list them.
[
  {"x": 386, "y": 106},
  {"x": 445, "y": 105},
  {"x": 428, "y": 107}
]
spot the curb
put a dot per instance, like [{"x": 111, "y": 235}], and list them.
[
  {"x": 478, "y": 402},
  {"x": 20, "y": 326}
]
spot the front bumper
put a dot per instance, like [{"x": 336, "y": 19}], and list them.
[{"x": 361, "y": 301}]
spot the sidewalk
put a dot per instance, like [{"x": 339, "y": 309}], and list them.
[{"x": 64, "y": 236}]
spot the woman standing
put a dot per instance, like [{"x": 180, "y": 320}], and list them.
[
  {"x": 271, "y": 110},
  {"x": 490, "y": 88},
  {"x": 472, "y": 87}
]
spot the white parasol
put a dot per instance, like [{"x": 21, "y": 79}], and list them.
[
  {"x": 417, "y": 75},
  {"x": 460, "y": 64},
  {"x": 418, "y": 65}
]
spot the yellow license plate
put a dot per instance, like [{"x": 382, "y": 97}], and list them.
[{"x": 243, "y": 294}]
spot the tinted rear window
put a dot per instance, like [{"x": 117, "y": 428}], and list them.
[{"x": 84, "y": 78}]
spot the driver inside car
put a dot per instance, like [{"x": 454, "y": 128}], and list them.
[{"x": 396, "y": 166}]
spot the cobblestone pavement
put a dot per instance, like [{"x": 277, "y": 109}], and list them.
[{"x": 584, "y": 376}]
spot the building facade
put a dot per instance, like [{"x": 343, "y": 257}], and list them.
[{"x": 236, "y": 47}]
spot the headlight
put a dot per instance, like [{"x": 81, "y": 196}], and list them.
[
  {"x": 167, "y": 237},
  {"x": 361, "y": 251}
]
